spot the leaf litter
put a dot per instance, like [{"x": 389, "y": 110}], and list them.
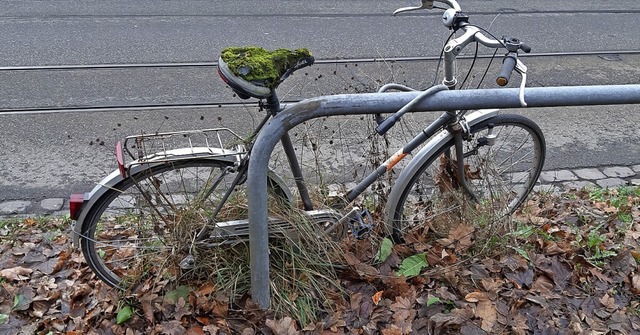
[{"x": 569, "y": 267}]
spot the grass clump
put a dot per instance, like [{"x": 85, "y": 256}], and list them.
[
  {"x": 302, "y": 269},
  {"x": 302, "y": 260},
  {"x": 619, "y": 201}
]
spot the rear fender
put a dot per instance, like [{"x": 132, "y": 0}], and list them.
[{"x": 215, "y": 154}]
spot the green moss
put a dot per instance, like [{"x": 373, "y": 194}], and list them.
[{"x": 259, "y": 65}]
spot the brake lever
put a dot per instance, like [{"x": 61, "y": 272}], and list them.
[
  {"x": 426, "y": 4},
  {"x": 522, "y": 70}
]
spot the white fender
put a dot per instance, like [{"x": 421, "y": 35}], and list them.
[{"x": 214, "y": 154}]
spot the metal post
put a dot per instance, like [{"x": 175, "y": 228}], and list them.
[{"x": 384, "y": 103}]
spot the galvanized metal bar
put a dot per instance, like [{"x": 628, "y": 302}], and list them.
[{"x": 384, "y": 103}]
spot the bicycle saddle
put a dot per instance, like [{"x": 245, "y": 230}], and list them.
[{"x": 256, "y": 72}]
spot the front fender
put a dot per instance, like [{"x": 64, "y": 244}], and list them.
[{"x": 434, "y": 145}]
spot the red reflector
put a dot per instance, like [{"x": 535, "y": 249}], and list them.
[
  {"x": 75, "y": 205},
  {"x": 120, "y": 159},
  {"x": 226, "y": 81}
]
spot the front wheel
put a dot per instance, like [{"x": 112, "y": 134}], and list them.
[
  {"x": 152, "y": 224},
  {"x": 504, "y": 156}
]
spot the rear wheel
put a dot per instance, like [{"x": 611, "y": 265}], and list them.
[
  {"x": 504, "y": 156},
  {"x": 152, "y": 224}
]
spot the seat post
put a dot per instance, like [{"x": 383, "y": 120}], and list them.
[
  {"x": 272, "y": 104},
  {"x": 273, "y": 107}
]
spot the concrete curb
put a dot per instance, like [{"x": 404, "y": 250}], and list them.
[{"x": 550, "y": 181}]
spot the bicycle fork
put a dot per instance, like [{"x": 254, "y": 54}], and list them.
[{"x": 461, "y": 132}]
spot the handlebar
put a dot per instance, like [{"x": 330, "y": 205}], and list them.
[
  {"x": 525, "y": 48},
  {"x": 508, "y": 64},
  {"x": 510, "y": 61},
  {"x": 454, "y": 19}
]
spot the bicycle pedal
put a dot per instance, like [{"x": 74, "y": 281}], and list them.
[{"x": 361, "y": 224}]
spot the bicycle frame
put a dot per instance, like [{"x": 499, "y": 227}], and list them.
[{"x": 450, "y": 120}]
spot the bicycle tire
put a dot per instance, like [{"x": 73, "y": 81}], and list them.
[
  {"x": 144, "y": 225},
  {"x": 519, "y": 144}
]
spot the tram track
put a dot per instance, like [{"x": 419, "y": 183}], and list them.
[
  {"x": 609, "y": 55},
  {"x": 318, "y": 61},
  {"x": 384, "y": 13}
]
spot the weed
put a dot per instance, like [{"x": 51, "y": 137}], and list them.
[
  {"x": 66, "y": 220},
  {"x": 623, "y": 199},
  {"x": 600, "y": 255},
  {"x": 594, "y": 242},
  {"x": 524, "y": 231},
  {"x": 625, "y": 217},
  {"x": 9, "y": 227},
  {"x": 496, "y": 241},
  {"x": 634, "y": 308},
  {"x": 595, "y": 238},
  {"x": 520, "y": 251},
  {"x": 597, "y": 194}
]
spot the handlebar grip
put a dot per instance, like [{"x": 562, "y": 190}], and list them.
[{"x": 508, "y": 64}]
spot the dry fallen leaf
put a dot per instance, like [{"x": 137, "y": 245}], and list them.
[
  {"x": 487, "y": 312},
  {"x": 392, "y": 330},
  {"x": 17, "y": 273},
  {"x": 50, "y": 287},
  {"x": 542, "y": 284},
  {"x": 284, "y": 326},
  {"x": 211, "y": 329},
  {"x": 476, "y": 296},
  {"x": 376, "y": 297},
  {"x": 403, "y": 313},
  {"x": 170, "y": 328},
  {"x": 635, "y": 282},
  {"x": 608, "y": 302},
  {"x": 600, "y": 276},
  {"x": 461, "y": 237},
  {"x": 520, "y": 326}
]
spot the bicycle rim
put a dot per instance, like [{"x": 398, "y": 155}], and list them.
[
  {"x": 501, "y": 176},
  {"x": 148, "y": 225}
]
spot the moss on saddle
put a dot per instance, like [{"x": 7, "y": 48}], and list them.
[{"x": 260, "y": 65}]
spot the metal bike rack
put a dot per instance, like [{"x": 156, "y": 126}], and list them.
[{"x": 386, "y": 103}]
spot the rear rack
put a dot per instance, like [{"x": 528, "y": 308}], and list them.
[{"x": 169, "y": 146}]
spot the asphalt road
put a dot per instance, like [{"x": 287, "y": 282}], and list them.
[{"x": 53, "y": 155}]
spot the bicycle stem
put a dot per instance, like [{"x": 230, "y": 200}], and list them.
[{"x": 455, "y": 46}]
